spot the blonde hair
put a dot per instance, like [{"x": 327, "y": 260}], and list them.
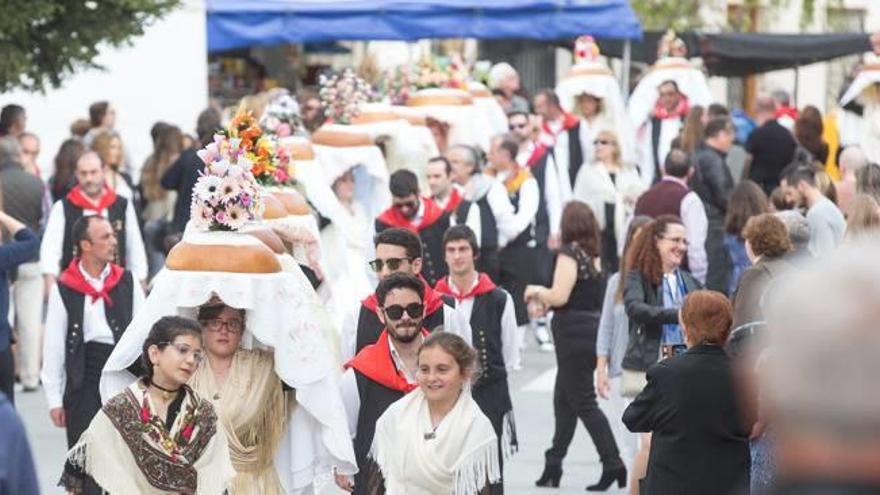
[
  {"x": 862, "y": 216},
  {"x": 101, "y": 145},
  {"x": 611, "y": 136},
  {"x": 256, "y": 104}
]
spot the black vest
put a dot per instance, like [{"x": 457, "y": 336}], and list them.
[
  {"x": 118, "y": 317},
  {"x": 487, "y": 262},
  {"x": 369, "y": 327},
  {"x": 656, "y": 125},
  {"x": 375, "y": 399},
  {"x": 116, "y": 216},
  {"x": 541, "y": 225},
  {"x": 433, "y": 262},
  {"x": 491, "y": 391},
  {"x": 575, "y": 152}
]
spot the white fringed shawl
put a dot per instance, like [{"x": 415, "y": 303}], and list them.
[{"x": 459, "y": 458}]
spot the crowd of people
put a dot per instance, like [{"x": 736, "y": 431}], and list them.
[{"x": 643, "y": 248}]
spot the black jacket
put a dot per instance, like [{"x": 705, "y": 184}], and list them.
[
  {"x": 181, "y": 176},
  {"x": 644, "y": 307},
  {"x": 712, "y": 181},
  {"x": 700, "y": 442}
]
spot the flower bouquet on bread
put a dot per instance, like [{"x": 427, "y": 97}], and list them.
[{"x": 227, "y": 194}]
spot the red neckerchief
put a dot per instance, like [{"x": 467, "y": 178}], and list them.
[
  {"x": 568, "y": 122},
  {"x": 786, "y": 112},
  {"x": 680, "y": 112},
  {"x": 433, "y": 301},
  {"x": 393, "y": 217},
  {"x": 453, "y": 201},
  {"x": 375, "y": 362},
  {"x": 484, "y": 285},
  {"x": 538, "y": 152},
  {"x": 77, "y": 198},
  {"x": 72, "y": 277}
]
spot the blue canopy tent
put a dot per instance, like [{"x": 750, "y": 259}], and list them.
[{"x": 239, "y": 23}]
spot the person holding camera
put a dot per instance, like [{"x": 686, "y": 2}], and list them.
[
  {"x": 700, "y": 432},
  {"x": 654, "y": 289}
]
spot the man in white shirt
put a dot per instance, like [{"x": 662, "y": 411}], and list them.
[
  {"x": 519, "y": 258},
  {"x": 91, "y": 197},
  {"x": 827, "y": 225},
  {"x": 486, "y": 208},
  {"x": 490, "y": 312},
  {"x": 443, "y": 191},
  {"x": 385, "y": 371},
  {"x": 90, "y": 307}
]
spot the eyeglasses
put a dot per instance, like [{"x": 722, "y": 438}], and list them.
[
  {"x": 414, "y": 310},
  {"x": 233, "y": 326},
  {"x": 514, "y": 127},
  {"x": 602, "y": 142},
  {"x": 676, "y": 240},
  {"x": 393, "y": 264},
  {"x": 667, "y": 94},
  {"x": 185, "y": 351}
]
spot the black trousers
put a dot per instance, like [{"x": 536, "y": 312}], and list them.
[
  {"x": 574, "y": 396},
  {"x": 7, "y": 374},
  {"x": 494, "y": 401},
  {"x": 517, "y": 270},
  {"x": 80, "y": 407},
  {"x": 718, "y": 272}
]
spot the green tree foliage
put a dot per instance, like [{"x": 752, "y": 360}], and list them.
[
  {"x": 44, "y": 41},
  {"x": 683, "y": 15}
]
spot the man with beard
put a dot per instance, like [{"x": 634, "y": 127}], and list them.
[
  {"x": 420, "y": 215},
  {"x": 661, "y": 127},
  {"x": 827, "y": 225},
  {"x": 490, "y": 312},
  {"x": 385, "y": 371},
  {"x": 91, "y": 197},
  {"x": 90, "y": 307},
  {"x": 486, "y": 208},
  {"x": 397, "y": 251},
  {"x": 443, "y": 190}
]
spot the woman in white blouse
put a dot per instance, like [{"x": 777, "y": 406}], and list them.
[{"x": 610, "y": 187}]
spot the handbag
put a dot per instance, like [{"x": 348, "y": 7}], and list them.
[{"x": 632, "y": 383}]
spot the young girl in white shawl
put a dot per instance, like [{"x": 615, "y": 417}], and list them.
[
  {"x": 158, "y": 436},
  {"x": 436, "y": 440}
]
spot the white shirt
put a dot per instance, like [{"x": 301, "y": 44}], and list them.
[
  {"x": 509, "y": 349},
  {"x": 452, "y": 322},
  {"x": 351, "y": 398},
  {"x": 527, "y": 207},
  {"x": 509, "y": 226},
  {"x": 95, "y": 329},
  {"x": 696, "y": 224},
  {"x": 52, "y": 249},
  {"x": 552, "y": 195}
]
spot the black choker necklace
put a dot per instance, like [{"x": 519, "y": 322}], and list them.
[{"x": 166, "y": 394}]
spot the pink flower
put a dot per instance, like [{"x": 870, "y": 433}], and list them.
[{"x": 283, "y": 129}]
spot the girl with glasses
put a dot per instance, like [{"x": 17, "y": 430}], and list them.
[{"x": 158, "y": 435}]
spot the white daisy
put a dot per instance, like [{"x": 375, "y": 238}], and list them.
[
  {"x": 206, "y": 187},
  {"x": 236, "y": 216}
]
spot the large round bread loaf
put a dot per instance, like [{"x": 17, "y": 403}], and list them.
[
  {"x": 330, "y": 137},
  {"x": 440, "y": 98},
  {"x": 253, "y": 258},
  {"x": 268, "y": 237},
  {"x": 294, "y": 202},
  {"x": 274, "y": 207},
  {"x": 372, "y": 116}
]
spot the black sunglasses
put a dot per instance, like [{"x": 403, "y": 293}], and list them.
[
  {"x": 602, "y": 142},
  {"x": 414, "y": 310},
  {"x": 517, "y": 126},
  {"x": 392, "y": 263}
]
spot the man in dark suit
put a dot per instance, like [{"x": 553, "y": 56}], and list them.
[{"x": 700, "y": 442}]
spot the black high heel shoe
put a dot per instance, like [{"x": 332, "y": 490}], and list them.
[
  {"x": 609, "y": 476},
  {"x": 550, "y": 477}
]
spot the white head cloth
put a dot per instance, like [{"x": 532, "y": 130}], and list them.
[
  {"x": 690, "y": 80},
  {"x": 281, "y": 312},
  {"x": 368, "y": 165}
]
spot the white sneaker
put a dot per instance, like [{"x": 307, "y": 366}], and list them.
[{"x": 547, "y": 347}]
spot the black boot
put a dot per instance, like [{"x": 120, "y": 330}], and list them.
[
  {"x": 609, "y": 476},
  {"x": 550, "y": 477}
]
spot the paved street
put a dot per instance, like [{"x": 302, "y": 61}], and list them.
[{"x": 532, "y": 398}]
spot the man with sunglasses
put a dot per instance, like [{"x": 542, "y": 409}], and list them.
[
  {"x": 385, "y": 371},
  {"x": 491, "y": 314},
  {"x": 90, "y": 306},
  {"x": 397, "y": 251},
  {"x": 420, "y": 215}
]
